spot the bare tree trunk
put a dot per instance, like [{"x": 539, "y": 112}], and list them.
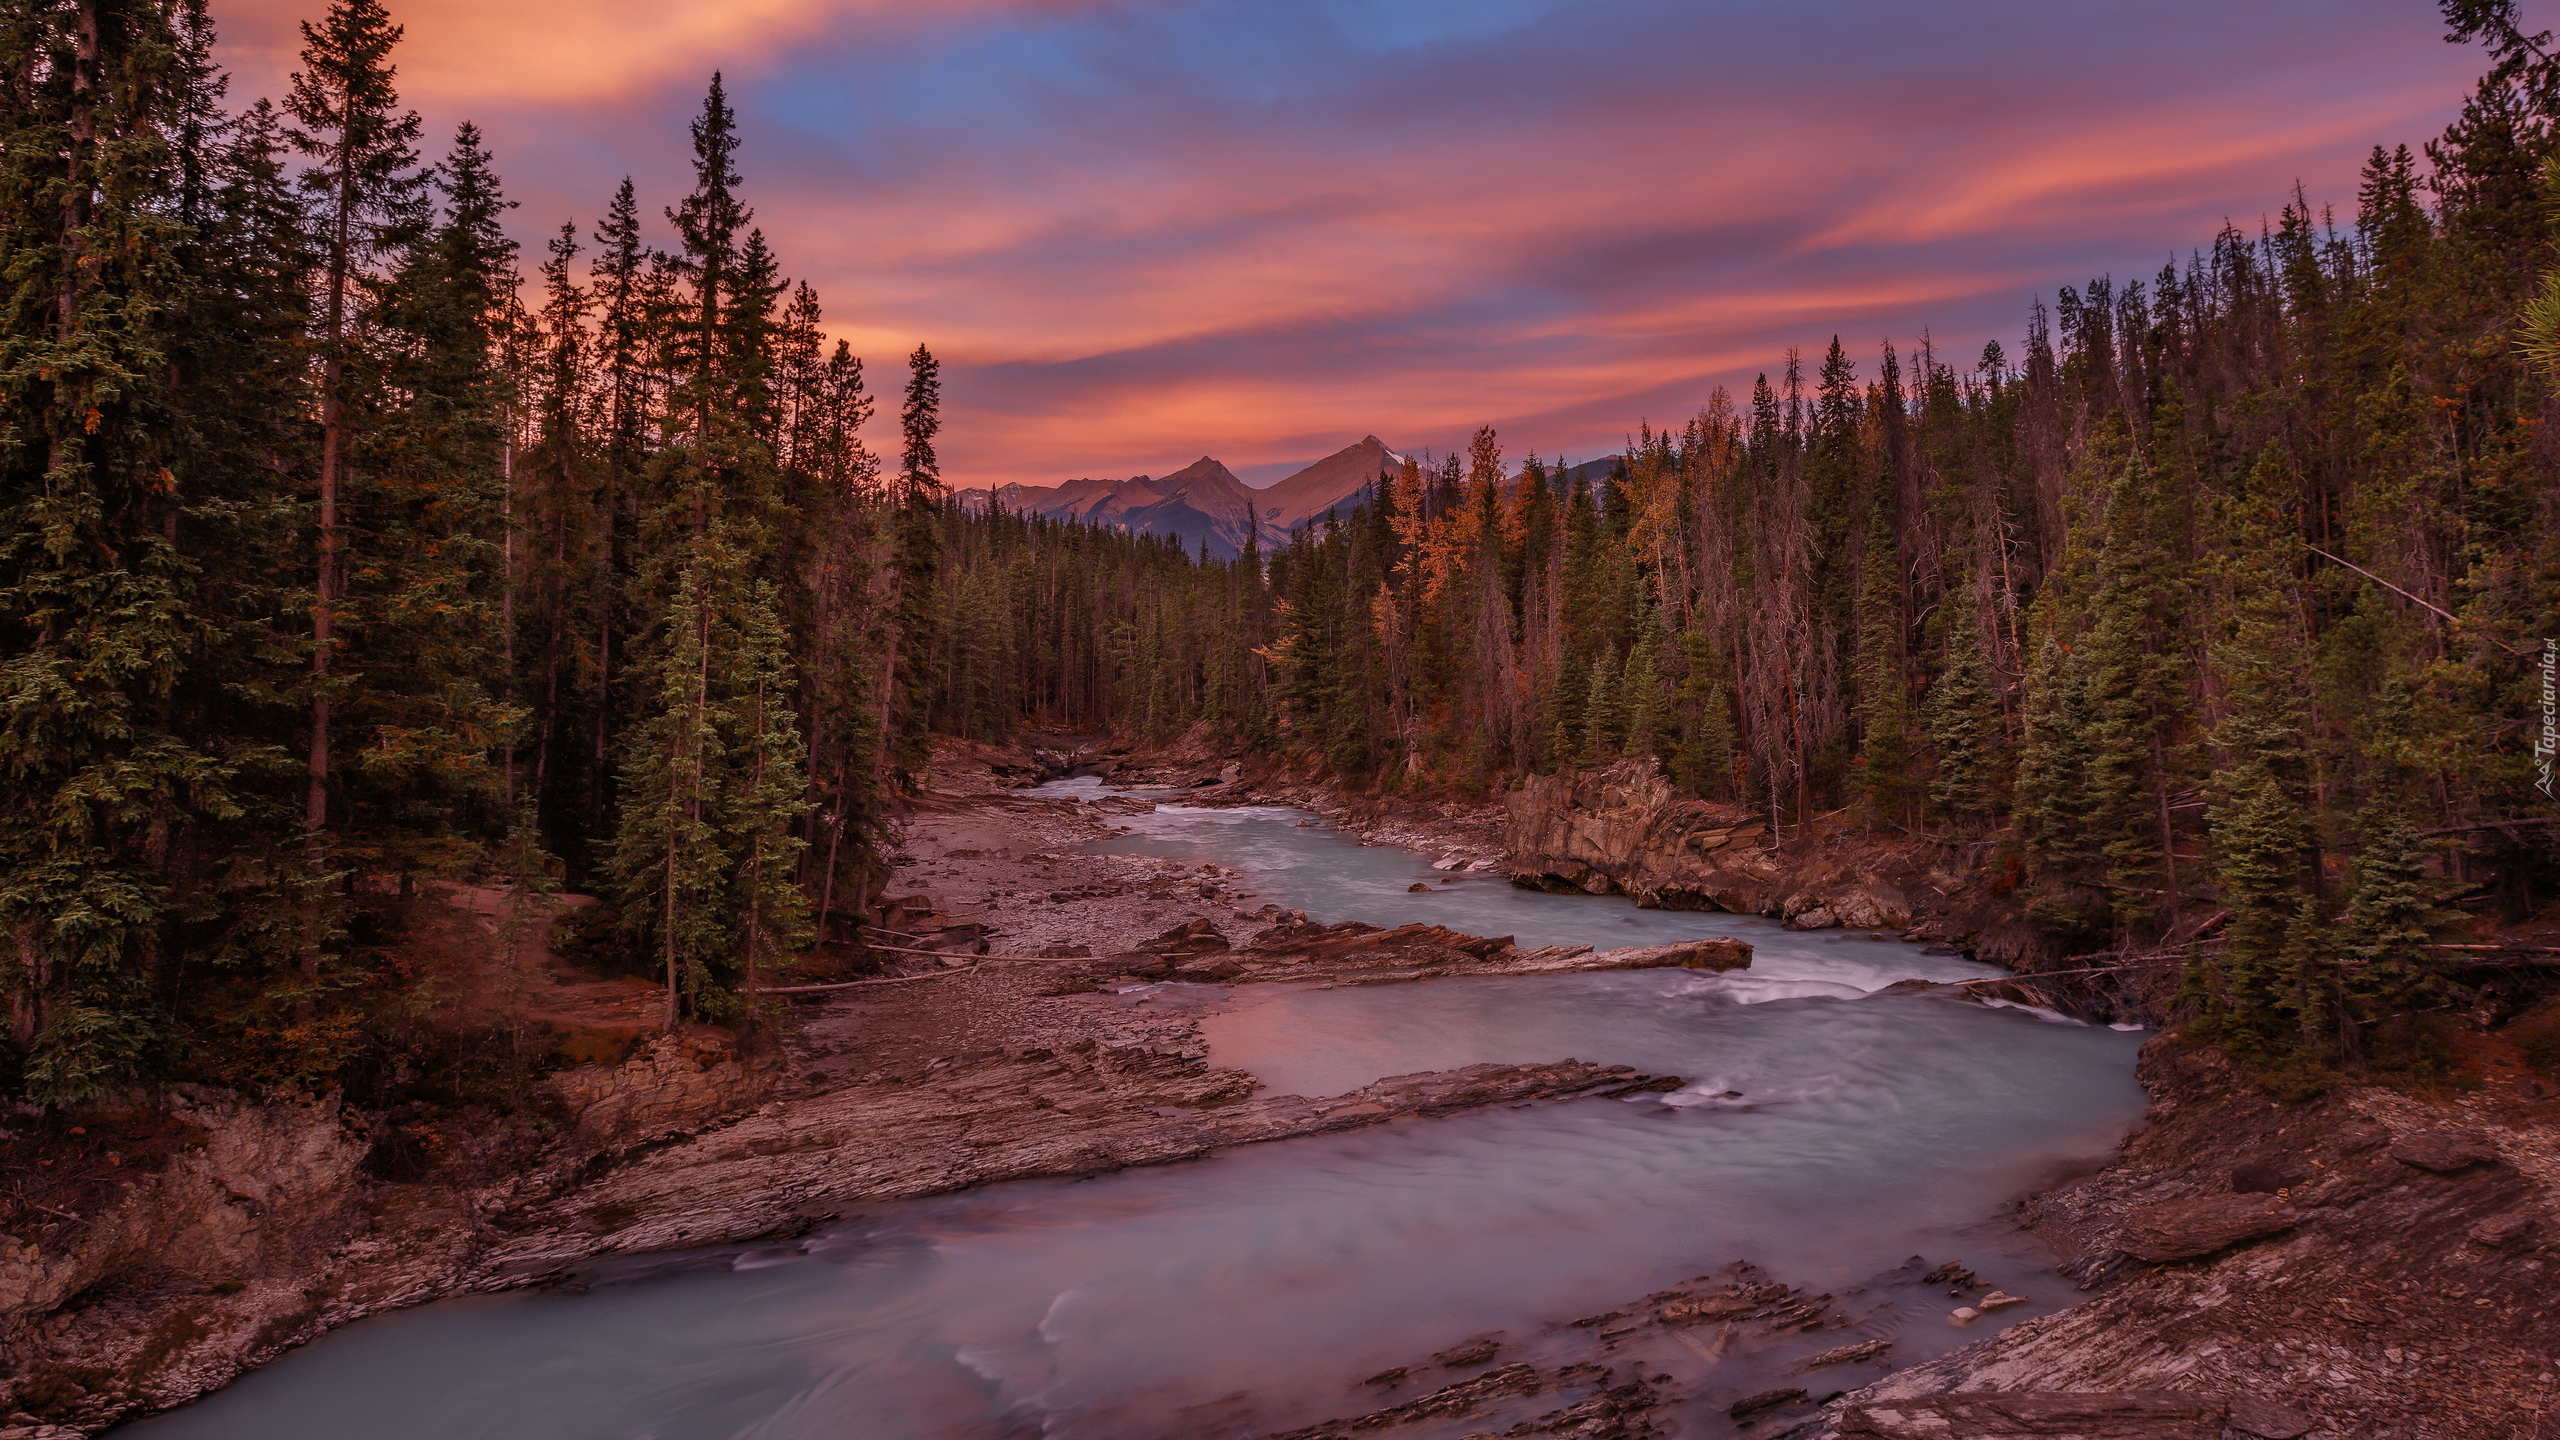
[
  {"x": 315, "y": 813},
  {"x": 507, "y": 574},
  {"x": 599, "y": 782},
  {"x": 755, "y": 865},
  {"x": 693, "y": 800}
]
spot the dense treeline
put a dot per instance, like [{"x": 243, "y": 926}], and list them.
[
  {"x": 2216, "y": 608},
  {"x": 344, "y": 547},
  {"x": 336, "y": 554}
]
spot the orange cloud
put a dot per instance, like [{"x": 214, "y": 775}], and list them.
[
  {"x": 460, "y": 52},
  {"x": 1137, "y": 230}
]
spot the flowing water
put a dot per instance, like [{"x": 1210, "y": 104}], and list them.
[{"x": 1827, "y": 1135}]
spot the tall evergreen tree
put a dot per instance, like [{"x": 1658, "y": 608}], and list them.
[
  {"x": 364, "y": 180},
  {"x": 99, "y": 604}
]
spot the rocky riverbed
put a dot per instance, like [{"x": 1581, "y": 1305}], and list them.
[
  {"x": 2366, "y": 1266},
  {"x": 242, "y": 1227},
  {"x": 2367, "y": 1263}
]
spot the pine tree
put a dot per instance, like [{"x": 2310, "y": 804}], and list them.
[
  {"x": 99, "y": 606},
  {"x": 1962, "y": 717},
  {"x": 706, "y": 859},
  {"x": 913, "y": 573},
  {"x": 346, "y": 119},
  {"x": 2055, "y": 828},
  {"x": 422, "y": 679},
  {"x": 1703, "y": 764},
  {"x": 1884, "y": 702},
  {"x": 2393, "y": 910},
  {"x": 1640, "y": 692},
  {"x": 2256, "y": 818}
]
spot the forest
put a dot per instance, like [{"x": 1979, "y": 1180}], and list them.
[{"x": 345, "y": 548}]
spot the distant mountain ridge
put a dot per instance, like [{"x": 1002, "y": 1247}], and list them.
[{"x": 1204, "y": 501}]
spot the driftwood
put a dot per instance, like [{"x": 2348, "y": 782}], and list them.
[{"x": 852, "y": 984}]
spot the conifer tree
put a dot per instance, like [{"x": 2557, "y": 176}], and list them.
[
  {"x": 99, "y": 607},
  {"x": 1884, "y": 708},
  {"x": 707, "y": 856},
  {"x": 347, "y": 120},
  {"x": 1703, "y": 764},
  {"x": 914, "y": 568},
  {"x": 2260, "y": 841},
  {"x": 1962, "y": 717}
]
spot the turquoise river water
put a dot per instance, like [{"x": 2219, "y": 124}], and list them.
[{"x": 1827, "y": 1134}]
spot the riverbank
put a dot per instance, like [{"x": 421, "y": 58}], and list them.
[
  {"x": 2367, "y": 1262},
  {"x": 222, "y": 1230},
  {"x": 265, "y": 1224},
  {"x": 1623, "y": 830}
]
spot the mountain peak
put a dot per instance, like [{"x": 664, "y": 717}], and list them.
[{"x": 1328, "y": 484}]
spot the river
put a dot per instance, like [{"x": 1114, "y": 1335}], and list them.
[{"x": 1827, "y": 1135}]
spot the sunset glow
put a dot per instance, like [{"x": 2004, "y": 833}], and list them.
[{"x": 1141, "y": 230}]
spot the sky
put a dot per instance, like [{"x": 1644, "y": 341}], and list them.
[{"x": 1140, "y": 231}]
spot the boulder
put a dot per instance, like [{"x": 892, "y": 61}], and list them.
[
  {"x": 1195, "y": 938},
  {"x": 2038, "y": 1415},
  {"x": 1765, "y": 1400},
  {"x": 2257, "y": 1179},
  {"x": 2186, "y": 1229},
  {"x": 2444, "y": 1151},
  {"x": 1625, "y": 828},
  {"x": 2502, "y": 1232},
  {"x": 671, "y": 1085},
  {"x": 1848, "y": 1354},
  {"x": 1718, "y": 953}
]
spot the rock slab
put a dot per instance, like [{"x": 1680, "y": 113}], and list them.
[
  {"x": 2444, "y": 1151},
  {"x": 2186, "y": 1229},
  {"x": 2038, "y": 1415}
]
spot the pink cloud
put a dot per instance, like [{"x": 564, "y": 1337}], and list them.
[{"x": 1138, "y": 231}]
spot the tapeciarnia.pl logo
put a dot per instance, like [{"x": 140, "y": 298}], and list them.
[{"x": 2545, "y": 743}]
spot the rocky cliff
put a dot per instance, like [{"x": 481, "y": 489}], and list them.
[
  {"x": 1624, "y": 830},
  {"x": 188, "y": 1239},
  {"x": 2367, "y": 1264}
]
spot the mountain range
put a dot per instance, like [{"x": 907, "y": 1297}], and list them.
[{"x": 1204, "y": 501}]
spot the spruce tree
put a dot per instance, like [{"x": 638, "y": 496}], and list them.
[
  {"x": 913, "y": 575},
  {"x": 706, "y": 858},
  {"x": 2260, "y": 838},
  {"x": 423, "y": 683},
  {"x": 365, "y": 185},
  {"x": 99, "y": 607},
  {"x": 1884, "y": 702},
  {"x": 1962, "y": 717},
  {"x": 1703, "y": 762}
]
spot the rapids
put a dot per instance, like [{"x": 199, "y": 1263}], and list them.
[{"x": 1827, "y": 1134}]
